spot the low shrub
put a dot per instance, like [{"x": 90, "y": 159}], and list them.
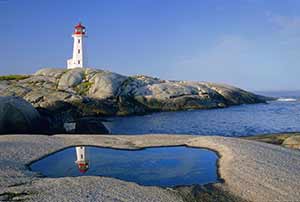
[{"x": 13, "y": 77}]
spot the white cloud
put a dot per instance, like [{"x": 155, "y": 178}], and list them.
[
  {"x": 266, "y": 62},
  {"x": 287, "y": 28}
]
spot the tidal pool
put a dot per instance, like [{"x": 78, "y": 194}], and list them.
[{"x": 157, "y": 166}]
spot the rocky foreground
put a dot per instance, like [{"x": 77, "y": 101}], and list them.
[
  {"x": 289, "y": 140},
  {"x": 64, "y": 96},
  {"x": 252, "y": 171}
]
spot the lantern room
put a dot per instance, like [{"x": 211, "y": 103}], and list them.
[
  {"x": 83, "y": 166},
  {"x": 79, "y": 29}
]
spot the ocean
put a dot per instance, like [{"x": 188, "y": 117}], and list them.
[{"x": 282, "y": 115}]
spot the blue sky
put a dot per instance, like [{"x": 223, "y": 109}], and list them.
[{"x": 253, "y": 44}]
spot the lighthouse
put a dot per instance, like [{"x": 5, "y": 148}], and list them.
[
  {"x": 78, "y": 48},
  {"x": 82, "y": 162}
]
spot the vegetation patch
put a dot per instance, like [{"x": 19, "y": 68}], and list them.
[
  {"x": 95, "y": 107},
  {"x": 13, "y": 77},
  {"x": 83, "y": 88}
]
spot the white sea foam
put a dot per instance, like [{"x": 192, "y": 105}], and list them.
[{"x": 287, "y": 99}]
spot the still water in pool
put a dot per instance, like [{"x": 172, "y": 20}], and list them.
[{"x": 159, "y": 166}]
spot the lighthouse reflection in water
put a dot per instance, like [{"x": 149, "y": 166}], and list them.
[
  {"x": 159, "y": 166},
  {"x": 82, "y": 159}
]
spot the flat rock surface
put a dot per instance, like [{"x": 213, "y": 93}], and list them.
[{"x": 251, "y": 170}]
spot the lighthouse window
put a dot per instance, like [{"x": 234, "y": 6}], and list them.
[
  {"x": 78, "y": 40},
  {"x": 81, "y": 156},
  {"x": 78, "y": 50},
  {"x": 78, "y": 61}
]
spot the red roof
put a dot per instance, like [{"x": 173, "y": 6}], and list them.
[
  {"x": 79, "y": 26},
  {"x": 83, "y": 166}
]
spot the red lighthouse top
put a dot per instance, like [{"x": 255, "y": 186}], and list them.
[
  {"x": 79, "y": 29},
  {"x": 83, "y": 166}
]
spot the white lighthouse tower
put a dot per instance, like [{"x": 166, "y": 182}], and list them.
[
  {"x": 78, "y": 48},
  {"x": 82, "y": 162}
]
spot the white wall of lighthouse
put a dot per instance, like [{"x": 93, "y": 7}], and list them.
[
  {"x": 80, "y": 154},
  {"x": 78, "y": 57},
  {"x": 82, "y": 161},
  {"x": 78, "y": 50}
]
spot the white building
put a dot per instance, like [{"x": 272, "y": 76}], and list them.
[
  {"x": 78, "y": 48},
  {"x": 82, "y": 162}
]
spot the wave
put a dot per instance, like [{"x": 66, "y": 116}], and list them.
[{"x": 286, "y": 99}]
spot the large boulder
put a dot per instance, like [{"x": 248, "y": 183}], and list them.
[
  {"x": 134, "y": 85},
  {"x": 235, "y": 96},
  {"x": 292, "y": 142},
  {"x": 71, "y": 78},
  {"x": 50, "y": 72},
  {"x": 18, "y": 116},
  {"x": 105, "y": 84}
]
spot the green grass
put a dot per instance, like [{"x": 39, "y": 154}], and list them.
[
  {"x": 83, "y": 88},
  {"x": 13, "y": 77}
]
